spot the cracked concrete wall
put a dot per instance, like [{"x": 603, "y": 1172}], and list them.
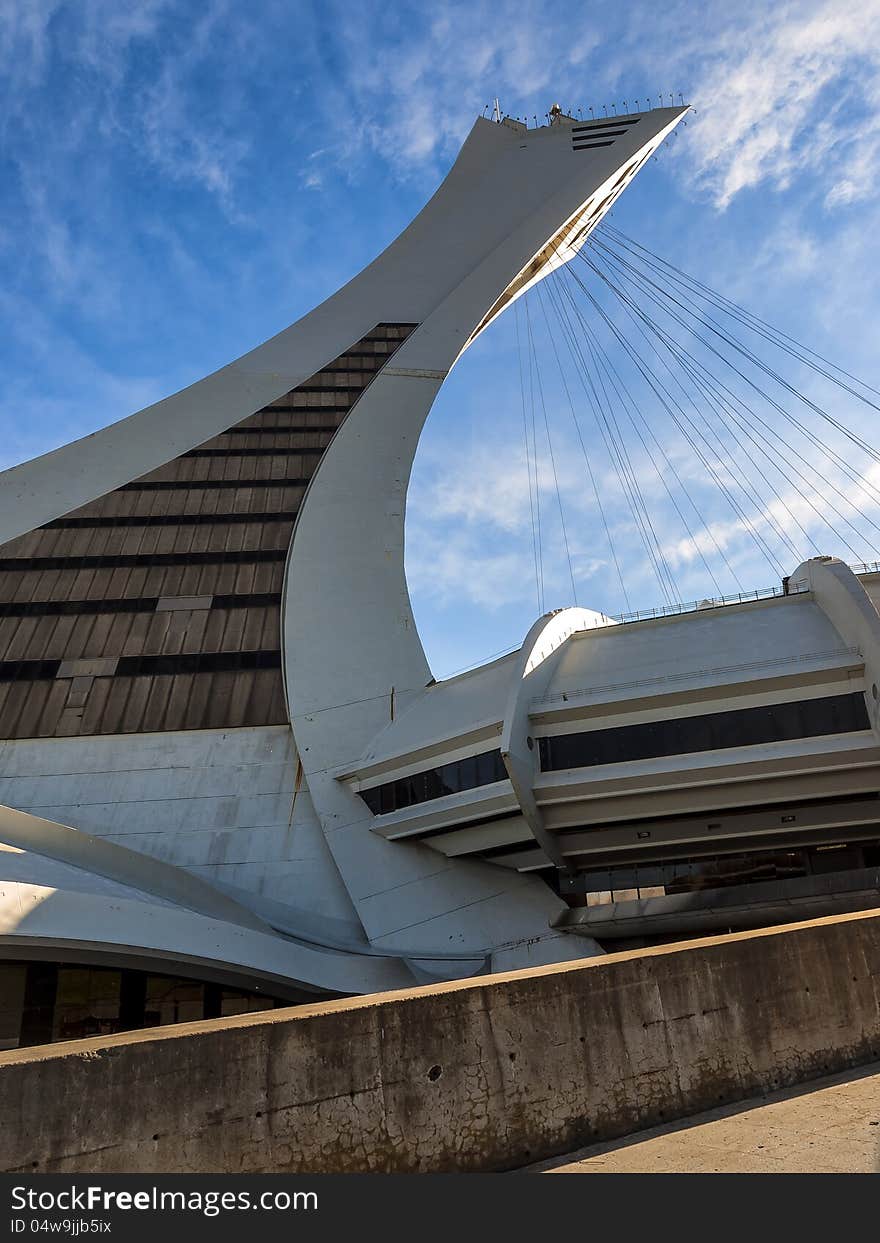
[{"x": 484, "y": 1074}]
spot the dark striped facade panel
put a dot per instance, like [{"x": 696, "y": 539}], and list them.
[
  {"x": 124, "y": 540},
  {"x": 174, "y": 502},
  {"x": 129, "y": 583},
  {"x": 157, "y": 606},
  {"x": 166, "y": 632},
  {"x": 63, "y": 707}
]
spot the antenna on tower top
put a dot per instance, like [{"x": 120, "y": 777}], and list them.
[{"x": 496, "y": 111}]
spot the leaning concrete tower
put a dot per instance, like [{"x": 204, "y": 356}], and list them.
[{"x": 205, "y": 624}]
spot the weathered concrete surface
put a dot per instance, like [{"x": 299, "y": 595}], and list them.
[
  {"x": 473, "y": 1075},
  {"x": 829, "y": 1127}
]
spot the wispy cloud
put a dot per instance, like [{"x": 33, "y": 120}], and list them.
[
  {"x": 178, "y": 137},
  {"x": 156, "y": 222},
  {"x": 785, "y": 92},
  {"x": 412, "y": 101}
]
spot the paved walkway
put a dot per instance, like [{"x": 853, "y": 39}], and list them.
[{"x": 828, "y": 1126}]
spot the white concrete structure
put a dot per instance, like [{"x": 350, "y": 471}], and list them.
[{"x": 379, "y": 827}]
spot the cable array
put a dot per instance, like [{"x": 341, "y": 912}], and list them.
[{"x": 709, "y": 439}]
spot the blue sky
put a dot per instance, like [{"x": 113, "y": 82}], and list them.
[{"x": 180, "y": 181}]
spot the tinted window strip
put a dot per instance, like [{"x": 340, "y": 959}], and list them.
[
  {"x": 150, "y": 666},
  {"x": 143, "y": 604},
  {"x": 109, "y": 560},
  {"x": 28, "y": 670},
  {"x": 346, "y": 362},
  {"x": 606, "y": 121},
  {"x": 189, "y": 485},
  {"x": 283, "y": 406},
  {"x": 196, "y": 662},
  {"x": 376, "y": 334},
  {"x": 585, "y": 146},
  {"x": 599, "y": 130},
  {"x": 332, "y": 388},
  {"x": 717, "y": 731},
  {"x": 609, "y": 131},
  {"x": 322, "y": 429},
  {"x": 268, "y": 451},
  {"x": 168, "y": 520},
  {"x": 468, "y": 774},
  {"x": 301, "y": 409}
]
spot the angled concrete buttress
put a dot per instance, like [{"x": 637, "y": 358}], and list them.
[{"x": 222, "y": 806}]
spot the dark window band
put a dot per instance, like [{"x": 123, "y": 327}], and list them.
[
  {"x": 281, "y": 444},
  {"x": 342, "y": 365},
  {"x": 149, "y": 666},
  {"x": 806, "y": 718},
  {"x": 143, "y": 558},
  {"x": 265, "y": 429},
  {"x": 604, "y": 131},
  {"x": 269, "y": 451},
  {"x": 196, "y": 662},
  {"x": 167, "y": 520},
  {"x": 333, "y": 388},
  {"x": 135, "y": 604},
  {"x": 604, "y": 123},
  {"x": 476, "y": 770},
  {"x": 288, "y": 408},
  {"x": 190, "y": 485},
  {"x": 383, "y": 331}
]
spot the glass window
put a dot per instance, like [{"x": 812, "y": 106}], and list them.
[
  {"x": 87, "y": 1002},
  {"x": 170, "y": 1000},
  {"x": 42, "y": 1002},
  {"x": 833, "y": 714},
  {"x": 467, "y": 774},
  {"x": 12, "y": 977},
  {"x": 487, "y": 768},
  {"x": 433, "y": 787}
]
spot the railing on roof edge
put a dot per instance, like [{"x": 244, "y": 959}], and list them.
[
  {"x": 692, "y": 606},
  {"x": 710, "y": 602},
  {"x": 742, "y": 597}
]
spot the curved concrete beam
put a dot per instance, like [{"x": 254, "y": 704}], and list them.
[
  {"x": 400, "y": 285},
  {"x": 530, "y": 678},
  {"x": 89, "y": 926},
  {"x": 849, "y": 608},
  {"x": 153, "y": 878},
  {"x": 122, "y": 865},
  {"x": 352, "y": 654},
  {"x": 514, "y": 201}
]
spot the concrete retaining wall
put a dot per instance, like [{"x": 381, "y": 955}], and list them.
[{"x": 479, "y": 1075}]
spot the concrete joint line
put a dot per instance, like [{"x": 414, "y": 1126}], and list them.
[{"x": 416, "y": 373}]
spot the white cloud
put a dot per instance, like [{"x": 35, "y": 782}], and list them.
[
  {"x": 783, "y": 94},
  {"x": 94, "y": 43},
  {"x": 413, "y": 98},
  {"x": 457, "y": 567},
  {"x": 828, "y": 520},
  {"x": 181, "y": 140},
  {"x": 471, "y": 528}
]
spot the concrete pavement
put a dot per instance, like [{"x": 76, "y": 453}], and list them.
[{"x": 829, "y": 1126}]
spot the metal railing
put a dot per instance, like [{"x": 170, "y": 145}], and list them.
[
  {"x": 710, "y": 602},
  {"x": 691, "y": 606}
]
